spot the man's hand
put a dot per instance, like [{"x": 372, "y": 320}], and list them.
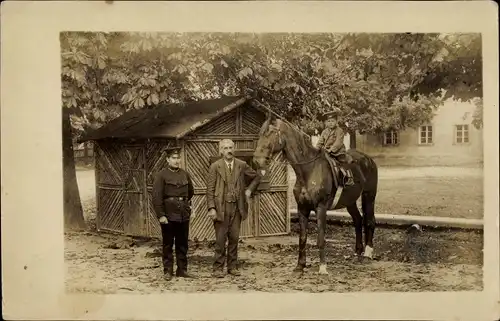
[
  {"x": 248, "y": 193},
  {"x": 212, "y": 213},
  {"x": 163, "y": 220},
  {"x": 190, "y": 206}
]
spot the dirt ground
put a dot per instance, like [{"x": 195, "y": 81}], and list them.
[{"x": 428, "y": 261}]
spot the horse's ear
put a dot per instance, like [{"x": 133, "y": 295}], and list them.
[
  {"x": 269, "y": 115},
  {"x": 272, "y": 118}
]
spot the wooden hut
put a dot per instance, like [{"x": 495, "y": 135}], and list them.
[{"x": 128, "y": 154}]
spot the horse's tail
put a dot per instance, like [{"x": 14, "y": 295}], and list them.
[{"x": 370, "y": 169}]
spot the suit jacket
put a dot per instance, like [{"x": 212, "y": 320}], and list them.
[
  {"x": 216, "y": 183},
  {"x": 332, "y": 140}
]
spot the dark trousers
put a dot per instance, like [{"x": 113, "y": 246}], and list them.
[
  {"x": 175, "y": 233},
  {"x": 228, "y": 230}
]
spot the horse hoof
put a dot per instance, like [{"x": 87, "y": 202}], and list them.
[
  {"x": 368, "y": 252},
  {"x": 322, "y": 269}
]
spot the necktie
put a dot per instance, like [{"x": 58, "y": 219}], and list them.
[{"x": 230, "y": 169}]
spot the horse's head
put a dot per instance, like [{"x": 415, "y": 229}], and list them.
[{"x": 270, "y": 141}]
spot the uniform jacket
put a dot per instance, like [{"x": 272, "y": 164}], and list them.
[
  {"x": 332, "y": 140},
  {"x": 217, "y": 186},
  {"x": 173, "y": 184}
]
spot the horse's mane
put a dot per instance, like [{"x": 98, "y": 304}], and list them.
[{"x": 301, "y": 138}]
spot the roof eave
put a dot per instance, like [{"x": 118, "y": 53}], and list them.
[
  {"x": 94, "y": 134},
  {"x": 126, "y": 138},
  {"x": 222, "y": 111}
]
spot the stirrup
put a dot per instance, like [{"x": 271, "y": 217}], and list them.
[{"x": 347, "y": 183}]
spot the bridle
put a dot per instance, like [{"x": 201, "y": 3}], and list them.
[{"x": 280, "y": 141}]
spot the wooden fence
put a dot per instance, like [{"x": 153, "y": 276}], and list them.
[{"x": 83, "y": 153}]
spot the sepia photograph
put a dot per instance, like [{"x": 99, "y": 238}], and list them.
[
  {"x": 272, "y": 161},
  {"x": 250, "y": 160}
]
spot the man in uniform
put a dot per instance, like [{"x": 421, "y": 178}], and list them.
[
  {"x": 172, "y": 192},
  {"x": 227, "y": 202},
  {"x": 332, "y": 141}
]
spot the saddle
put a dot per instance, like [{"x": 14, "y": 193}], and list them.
[{"x": 335, "y": 165}]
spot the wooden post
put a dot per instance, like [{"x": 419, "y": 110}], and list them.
[
  {"x": 96, "y": 184},
  {"x": 352, "y": 139}
]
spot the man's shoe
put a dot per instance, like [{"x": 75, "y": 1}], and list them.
[
  {"x": 167, "y": 276},
  {"x": 184, "y": 274},
  {"x": 234, "y": 272},
  {"x": 218, "y": 274}
]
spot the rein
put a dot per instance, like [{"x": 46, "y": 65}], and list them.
[{"x": 289, "y": 162}]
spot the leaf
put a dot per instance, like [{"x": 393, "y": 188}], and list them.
[
  {"x": 175, "y": 56},
  {"x": 127, "y": 98},
  {"x": 208, "y": 67},
  {"x": 98, "y": 114},
  {"x": 180, "y": 69},
  {"x": 155, "y": 99},
  {"x": 276, "y": 67},
  {"x": 101, "y": 37},
  {"x": 101, "y": 62},
  {"x": 225, "y": 50},
  {"x": 138, "y": 102},
  {"x": 245, "y": 72}
]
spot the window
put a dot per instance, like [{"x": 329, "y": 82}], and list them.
[
  {"x": 391, "y": 138},
  {"x": 461, "y": 134},
  {"x": 425, "y": 137}
]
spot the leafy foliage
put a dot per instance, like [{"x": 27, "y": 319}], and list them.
[{"x": 379, "y": 81}]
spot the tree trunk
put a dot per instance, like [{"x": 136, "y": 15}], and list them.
[
  {"x": 73, "y": 211},
  {"x": 352, "y": 139}
]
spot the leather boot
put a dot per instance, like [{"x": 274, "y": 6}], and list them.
[
  {"x": 168, "y": 275},
  {"x": 184, "y": 274},
  {"x": 350, "y": 180},
  {"x": 234, "y": 272},
  {"x": 218, "y": 274}
]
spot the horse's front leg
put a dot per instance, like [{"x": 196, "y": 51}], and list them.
[
  {"x": 304, "y": 213},
  {"x": 321, "y": 217}
]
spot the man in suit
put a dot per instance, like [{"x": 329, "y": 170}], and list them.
[
  {"x": 227, "y": 202},
  {"x": 172, "y": 193}
]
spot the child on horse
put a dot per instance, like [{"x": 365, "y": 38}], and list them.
[{"x": 332, "y": 141}]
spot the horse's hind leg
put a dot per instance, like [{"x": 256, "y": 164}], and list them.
[
  {"x": 368, "y": 206},
  {"x": 358, "y": 227},
  {"x": 321, "y": 217},
  {"x": 304, "y": 213}
]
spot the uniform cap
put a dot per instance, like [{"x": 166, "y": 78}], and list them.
[
  {"x": 331, "y": 114},
  {"x": 170, "y": 151}
]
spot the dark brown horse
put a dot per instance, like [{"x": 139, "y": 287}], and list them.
[{"x": 316, "y": 186}]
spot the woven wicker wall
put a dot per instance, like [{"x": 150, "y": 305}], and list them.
[{"x": 125, "y": 174}]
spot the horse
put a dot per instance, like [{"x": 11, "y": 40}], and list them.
[{"x": 317, "y": 185}]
